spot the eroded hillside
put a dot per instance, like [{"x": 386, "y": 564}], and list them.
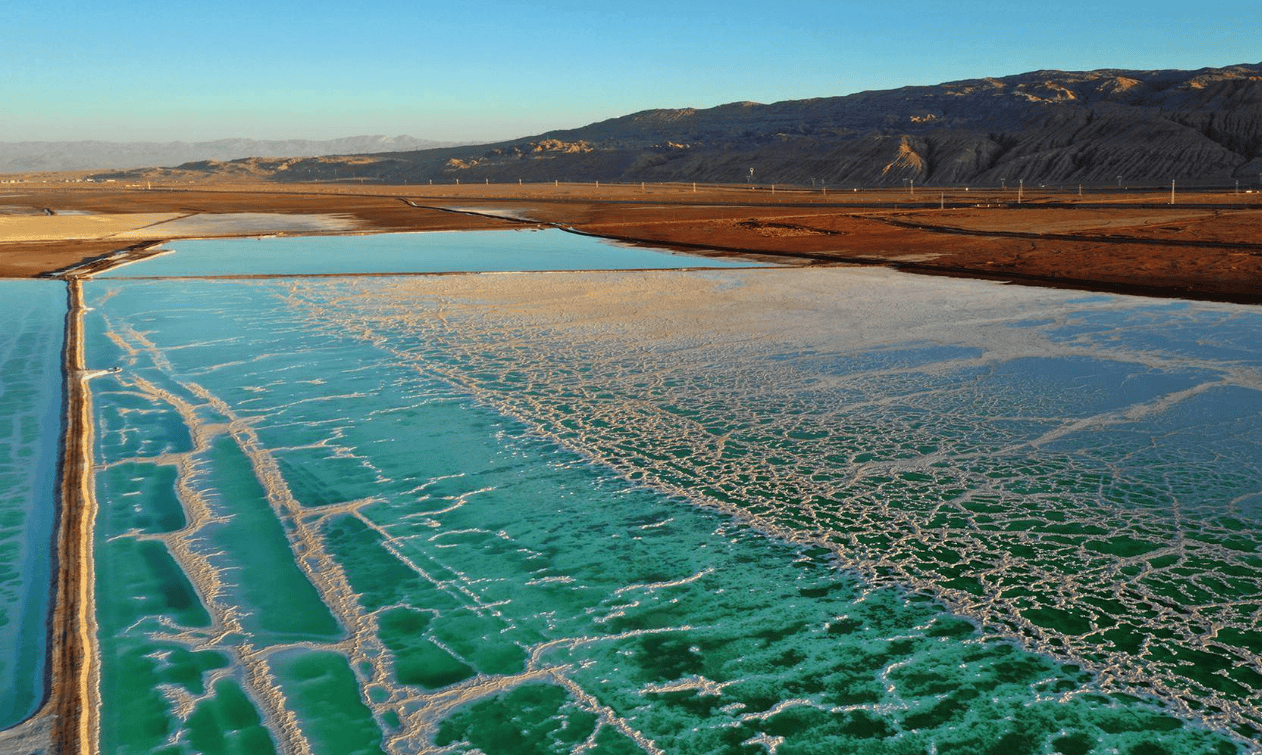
[{"x": 1098, "y": 128}]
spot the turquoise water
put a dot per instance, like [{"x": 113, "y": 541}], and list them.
[
  {"x": 30, "y": 426},
  {"x": 480, "y": 251},
  {"x": 775, "y": 511}
]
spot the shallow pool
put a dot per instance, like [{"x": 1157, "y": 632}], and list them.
[
  {"x": 430, "y": 252},
  {"x": 30, "y": 430}
]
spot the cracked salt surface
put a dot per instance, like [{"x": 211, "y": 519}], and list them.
[{"x": 530, "y": 513}]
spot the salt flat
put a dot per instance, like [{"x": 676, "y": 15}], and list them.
[{"x": 78, "y": 227}]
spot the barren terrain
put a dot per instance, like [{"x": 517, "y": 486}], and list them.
[
  {"x": 1205, "y": 245},
  {"x": 1097, "y": 129}
]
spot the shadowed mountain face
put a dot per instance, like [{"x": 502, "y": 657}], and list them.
[{"x": 1097, "y": 128}]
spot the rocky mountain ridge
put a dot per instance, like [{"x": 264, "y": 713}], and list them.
[{"x": 1096, "y": 128}]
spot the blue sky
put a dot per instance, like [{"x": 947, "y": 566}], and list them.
[{"x": 130, "y": 70}]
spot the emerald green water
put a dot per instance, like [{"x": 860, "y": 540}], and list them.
[
  {"x": 437, "y": 514},
  {"x": 30, "y": 427}
]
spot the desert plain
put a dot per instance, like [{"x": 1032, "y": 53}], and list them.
[{"x": 1199, "y": 245}]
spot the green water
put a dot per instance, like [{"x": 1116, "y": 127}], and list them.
[
  {"x": 401, "y": 530},
  {"x": 325, "y": 695},
  {"x": 30, "y": 427}
]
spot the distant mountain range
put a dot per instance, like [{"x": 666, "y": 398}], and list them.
[
  {"x": 1052, "y": 127},
  {"x": 27, "y": 157}
]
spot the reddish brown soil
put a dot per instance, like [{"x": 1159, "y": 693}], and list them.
[{"x": 1206, "y": 246}]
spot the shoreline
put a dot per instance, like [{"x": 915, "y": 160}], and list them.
[
  {"x": 76, "y": 699},
  {"x": 108, "y": 261},
  {"x": 124, "y": 256},
  {"x": 1206, "y": 247},
  {"x": 920, "y": 267},
  {"x": 67, "y": 719}
]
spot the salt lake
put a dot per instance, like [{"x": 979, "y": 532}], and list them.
[
  {"x": 665, "y": 510},
  {"x": 432, "y": 252}
]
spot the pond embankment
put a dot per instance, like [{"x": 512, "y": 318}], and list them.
[{"x": 67, "y": 721}]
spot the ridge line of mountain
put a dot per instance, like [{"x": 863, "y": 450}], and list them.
[{"x": 1098, "y": 128}]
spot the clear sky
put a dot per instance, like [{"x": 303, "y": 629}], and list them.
[{"x": 194, "y": 70}]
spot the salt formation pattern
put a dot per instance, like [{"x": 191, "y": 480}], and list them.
[
  {"x": 1085, "y": 475},
  {"x": 531, "y": 514}
]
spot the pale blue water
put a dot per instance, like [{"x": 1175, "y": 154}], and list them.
[
  {"x": 30, "y": 427},
  {"x": 443, "y": 518},
  {"x": 479, "y": 251}
]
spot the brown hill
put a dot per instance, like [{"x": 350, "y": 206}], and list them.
[{"x": 1098, "y": 128}]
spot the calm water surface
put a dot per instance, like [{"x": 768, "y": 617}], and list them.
[
  {"x": 30, "y": 427},
  {"x": 457, "y": 251}
]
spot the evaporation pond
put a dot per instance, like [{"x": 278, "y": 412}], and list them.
[
  {"x": 431, "y": 252},
  {"x": 30, "y": 429},
  {"x": 401, "y": 514}
]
